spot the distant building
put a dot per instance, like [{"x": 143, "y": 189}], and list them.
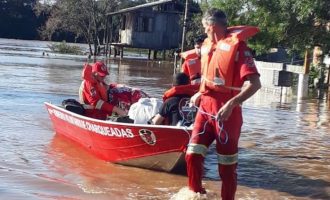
[
  {"x": 280, "y": 55},
  {"x": 154, "y": 26}
]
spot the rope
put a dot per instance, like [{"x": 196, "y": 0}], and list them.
[
  {"x": 213, "y": 117},
  {"x": 219, "y": 124}
]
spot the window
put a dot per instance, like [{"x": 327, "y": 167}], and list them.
[
  {"x": 144, "y": 24},
  {"x": 123, "y": 23}
]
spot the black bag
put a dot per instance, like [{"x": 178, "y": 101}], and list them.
[
  {"x": 125, "y": 119},
  {"x": 73, "y": 106}
]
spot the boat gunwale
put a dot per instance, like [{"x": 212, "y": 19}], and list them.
[{"x": 117, "y": 123}]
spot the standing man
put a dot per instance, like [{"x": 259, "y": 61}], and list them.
[
  {"x": 226, "y": 63},
  {"x": 192, "y": 64}
]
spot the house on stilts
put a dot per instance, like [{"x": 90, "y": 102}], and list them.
[{"x": 154, "y": 26}]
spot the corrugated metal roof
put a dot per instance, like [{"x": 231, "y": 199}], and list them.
[{"x": 140, "y": 7}]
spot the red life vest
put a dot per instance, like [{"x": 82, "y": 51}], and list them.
[
  {"x": 218, "y": 59},
  {"x": 190, "y": 54},
  {"x": 193, "y": 64},
  {"x": 188, "y": 90}
]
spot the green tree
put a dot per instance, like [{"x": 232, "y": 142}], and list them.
[
  {"x": 194, "y": 25},
  {"x": 84, "y": 18},
  {"x": 18, "y": 20},
  {"x": 295, "y": 25}
]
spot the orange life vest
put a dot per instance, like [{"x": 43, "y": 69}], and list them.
[
  {"x": 218, "y": 59},
  {"x": 194, "y": 68},
  {"x": 194, "y": 65},
  {"x": 190, "y": 54},
  {"x": 188, "y": 90}
]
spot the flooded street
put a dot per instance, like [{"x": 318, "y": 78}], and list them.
[{"x": 284, "y": 148}]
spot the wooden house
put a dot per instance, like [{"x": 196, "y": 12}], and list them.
[{"x": 154, "y": 26}]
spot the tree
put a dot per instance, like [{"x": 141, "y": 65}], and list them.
[
  {"x": 84, "y": 18},
  {"x": 294, "y": 25},
  {"x": 194, "y": 22},
  {"x": 18, "y": 20}
]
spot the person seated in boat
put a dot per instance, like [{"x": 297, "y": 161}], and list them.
[
  {"x": 93, "y": 92},
  {"x": 192, "y": 64},
  {"x": 169, "y": 113}
]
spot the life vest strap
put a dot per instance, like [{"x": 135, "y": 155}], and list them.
[{"x": 221, "y": 86}]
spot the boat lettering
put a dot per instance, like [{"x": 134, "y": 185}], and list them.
[{"x": 102, "y": 130}]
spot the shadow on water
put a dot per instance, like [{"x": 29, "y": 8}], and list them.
[{"x": 257, "y": 172}]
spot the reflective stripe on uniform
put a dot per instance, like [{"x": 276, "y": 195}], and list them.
[
  {"x": 196, "y": 81},
  {"x": 197, "y": 149},
  {"x": 99, "y": 104},
  {"x": 86, "y": 106},
  {"x": 227, "y": 159},
  {"x": 81, "y": 89}
]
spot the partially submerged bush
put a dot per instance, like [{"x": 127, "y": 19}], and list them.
[{"x": 65, "y": 48}]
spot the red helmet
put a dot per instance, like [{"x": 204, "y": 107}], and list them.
[{"x": 100, "y": 68}]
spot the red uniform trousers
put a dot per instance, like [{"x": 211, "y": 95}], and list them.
[{"x": 204, "y": 133}]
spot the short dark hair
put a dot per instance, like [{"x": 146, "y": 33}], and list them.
[
  {"x": 199, "y": 39},
  {"x": 213, "y": 16},
  {"x": 180, "y": 79}
]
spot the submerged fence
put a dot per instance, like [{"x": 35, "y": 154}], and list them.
[{"x": 270, "y": 74}]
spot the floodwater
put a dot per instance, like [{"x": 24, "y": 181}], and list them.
[{"x": 284, "y": 147}]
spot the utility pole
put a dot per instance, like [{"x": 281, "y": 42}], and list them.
[
  {"x": 303, "y": 78},
  {"x": 184, "y": 28}
]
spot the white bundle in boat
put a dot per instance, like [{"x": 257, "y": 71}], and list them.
[{"x": 144, "y": 109}]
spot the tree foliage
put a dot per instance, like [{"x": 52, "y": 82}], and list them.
[
  {"x": 294, "y": 25},
  {"x": 194, "y": 27},
  {"x": 18, "y": 20},
  {"x": 83, "y": 18}
]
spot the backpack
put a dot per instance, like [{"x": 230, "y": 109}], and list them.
[{"x": 73, "y": 106}]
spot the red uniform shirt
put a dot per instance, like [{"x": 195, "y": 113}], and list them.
[
  {"x": 244, "y": 65},
  {"x": 91, "y": 95}
]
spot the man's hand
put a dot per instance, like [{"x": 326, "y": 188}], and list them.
[
  {"x": 225, "y": 111},
  {"x": 195, "y": 99}
]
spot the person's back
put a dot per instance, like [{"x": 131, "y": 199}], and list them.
[
  {"x": 169, "y": 113},
  {"x": 171, "y": 109}
]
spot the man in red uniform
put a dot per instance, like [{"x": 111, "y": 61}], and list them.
[
  {"x": 226, "y": 63},
  {"x": 93, "y": 92},
  {"x": 192, "y": 64}
]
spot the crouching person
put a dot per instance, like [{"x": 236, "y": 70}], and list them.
[{"x": 93, "y": 92}]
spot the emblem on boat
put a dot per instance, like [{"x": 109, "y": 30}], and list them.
[{"x": 147, "y": 136}]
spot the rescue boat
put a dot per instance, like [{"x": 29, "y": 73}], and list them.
[{"x": 155, "y": 147}]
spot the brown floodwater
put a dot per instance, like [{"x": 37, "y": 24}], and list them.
[{"x": 284, "y": 147}]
